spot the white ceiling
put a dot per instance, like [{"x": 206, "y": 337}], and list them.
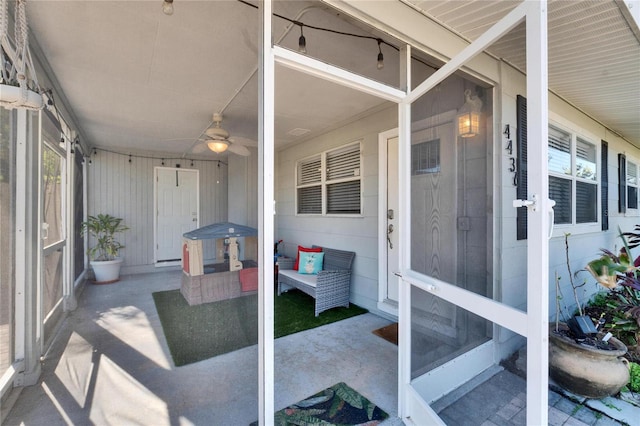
[{"x": 138, "y": 80}]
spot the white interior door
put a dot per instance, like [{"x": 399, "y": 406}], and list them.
[{"x": 176, "y": 210}]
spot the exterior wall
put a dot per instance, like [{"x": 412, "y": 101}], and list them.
[
  {"x": 125, "y": 190},
  {"x": 357, "y": 234},
  {"x": 583, "y": 246},
  {"x": 243, "y": 189}
]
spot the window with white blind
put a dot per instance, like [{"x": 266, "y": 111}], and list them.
[
  {"x": 632, "y": 185},
  {"x": 573, "y": 177},
  {"x": 330, "y": 183}
]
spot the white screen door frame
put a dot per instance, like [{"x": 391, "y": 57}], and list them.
[{"x": 534, "y": 324}]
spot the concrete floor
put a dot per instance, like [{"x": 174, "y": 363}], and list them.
[{"x": 110, "y": 365}]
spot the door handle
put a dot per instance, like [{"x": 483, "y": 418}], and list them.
[{"x": 389, "y": 231}]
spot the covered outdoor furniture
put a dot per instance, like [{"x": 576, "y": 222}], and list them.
[{"x": 330, "y": 287}]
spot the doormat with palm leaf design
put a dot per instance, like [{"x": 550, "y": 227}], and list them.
[{"x": 337, "y": 405}]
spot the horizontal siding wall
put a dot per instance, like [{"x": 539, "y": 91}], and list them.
[
  {"x": 358, "y": 234},
  {"x": 511, "y": 258},
  {"x": 125, "y": 190}
]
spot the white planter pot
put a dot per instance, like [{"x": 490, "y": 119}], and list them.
[{"x": 106, "y": 271}]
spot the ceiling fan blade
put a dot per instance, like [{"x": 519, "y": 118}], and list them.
[
  {"x": 200, "y": 148},
  {"x": 239, "y": 140},
  {"x": 239, "y": 149}
]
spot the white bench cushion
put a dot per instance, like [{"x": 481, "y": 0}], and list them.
[{"x": 308, "y": 279}]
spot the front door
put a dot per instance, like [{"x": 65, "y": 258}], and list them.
[
  {"x": 388, "y": 244},
  {"x": 445, "y": 239},
  {"x": 393, "y": 265},
  {"x": 176, "y": 210}
]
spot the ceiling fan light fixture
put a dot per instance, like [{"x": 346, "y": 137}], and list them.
[
  {"x": 167, "y": 7},
  {"x": 218, "y": 146}
]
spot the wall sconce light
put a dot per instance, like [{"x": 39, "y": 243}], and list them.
[
  {"x": 469, "y": 115},
  {"x": 218, "y": 146}
]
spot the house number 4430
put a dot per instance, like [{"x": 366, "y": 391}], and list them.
[{"x": 511, "y": 160}]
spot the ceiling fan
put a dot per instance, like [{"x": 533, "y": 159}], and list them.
[{"x": 218, "y": 140}]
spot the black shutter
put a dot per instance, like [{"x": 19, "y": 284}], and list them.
[
  {"x": 521, "y": 189},
  {"x": 604, "y": 184},
  {"x": 622, "y": 183}
]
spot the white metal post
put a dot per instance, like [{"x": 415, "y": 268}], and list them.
[
  {"x": 20, "y": 301},
  {"x": 538, "y": 217},
  {"x": 404, "y": 217},
  {"x": 266, "y": 83},
  {"x": 404, "y": 293}
]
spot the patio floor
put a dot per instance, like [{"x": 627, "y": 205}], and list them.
[{"x": 110, "y": 365}]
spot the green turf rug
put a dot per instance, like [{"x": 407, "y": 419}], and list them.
[
  {"x": 199, "y": 332},
  {"x": 337, "y": 405}
]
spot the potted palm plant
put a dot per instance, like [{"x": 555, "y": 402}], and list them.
[{"x": 104, "y": 254}]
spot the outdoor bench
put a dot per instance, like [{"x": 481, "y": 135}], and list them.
[{"x": 330, "y": 287}]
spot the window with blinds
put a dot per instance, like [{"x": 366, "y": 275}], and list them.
[
  {"x": 309, "y": 186},
  {"x": 573, "y": 180},
  {"x": 330, "y": 183}
]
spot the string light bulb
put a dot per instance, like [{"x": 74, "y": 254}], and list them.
[
  {"x": 380, "y": 55},
  {"x": 302, "y": 42},
  {"x": 167, "y": 7}
]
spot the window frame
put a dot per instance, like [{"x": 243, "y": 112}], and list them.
[
  {"x": 578, "y": 133},
  {"x": 324, "y": 182},
  {"x": 632, "y": 211}
]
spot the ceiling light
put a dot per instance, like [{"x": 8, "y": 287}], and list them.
[
  {"x": 167, "y": 7},
  {"x": 380, "y": 56},
  {"x": 218, "y": 146},
  {"x": 469, "y": 116},
  {"x": 302, "y": 42}
]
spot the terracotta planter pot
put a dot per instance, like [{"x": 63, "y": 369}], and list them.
[{"x": 585, "y": 370}]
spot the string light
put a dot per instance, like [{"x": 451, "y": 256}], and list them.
[
  {"x": 191, "y": 163},
  {"x": 302, "y": 42},
  {"x": 167, "y": 7},
  {"x": 132, "y": 156},
  {"x": 163, "y": 161},
  {"x": 129, "y": 158}
]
